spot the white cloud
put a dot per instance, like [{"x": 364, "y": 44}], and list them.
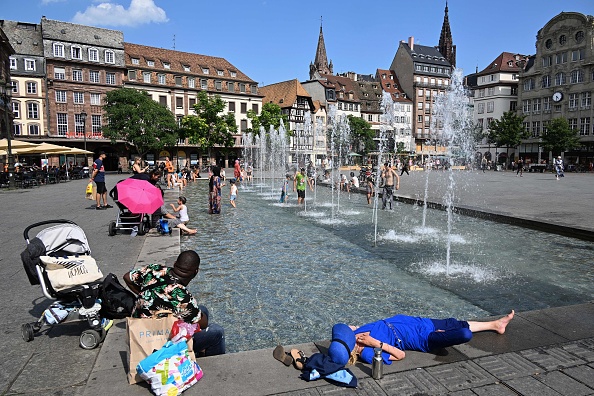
[{"x": 112, "y": 14}]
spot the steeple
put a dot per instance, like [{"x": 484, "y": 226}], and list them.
[
  {"x": 446, "y": 43},
  {"x": 320, "y": 64}
]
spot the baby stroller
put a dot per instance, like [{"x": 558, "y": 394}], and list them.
[
  {"x": 137, "y": 223},
  {"x": 56, "y": 254}
]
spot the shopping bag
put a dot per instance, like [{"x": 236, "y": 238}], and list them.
[
  {"x": 145, "y": 335},
  {"x": 69, "y": 271},
  {"x": 170, "y": 370},
  {"x": 91, "y": 191}
]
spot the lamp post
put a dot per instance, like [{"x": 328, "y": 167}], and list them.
[
  {"x": 6, "y": 95},
  {"x": 83, "y": 116}
]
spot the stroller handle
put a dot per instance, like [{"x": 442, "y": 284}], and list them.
[{"x": 58, "y": 221}]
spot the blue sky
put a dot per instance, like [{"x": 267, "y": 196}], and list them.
[{"x": 275, "y": 40}]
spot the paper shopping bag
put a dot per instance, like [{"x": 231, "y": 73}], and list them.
[{"x": 146, "y": 335}]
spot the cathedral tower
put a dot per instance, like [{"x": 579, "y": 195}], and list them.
[
  {"x": 320, "y": 64},
  {"x": 446, "y": 44}
]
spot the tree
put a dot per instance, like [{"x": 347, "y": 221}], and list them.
[
  {"x": 133, "y": 116},
  {"x": 361, "y": 135},
  {"x": 559, "y": 137},
  {"x": 208, "y": 128},
  {"x": 271, "y": 114},
  {"x": 508, "y": 131}
]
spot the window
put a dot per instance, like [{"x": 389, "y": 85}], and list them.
[
  {"x": 481, "y": 108},
  {"x": 535, "y": 128},
  {"x": 178, "y": 81},
  {"x": 547, "y": 61},
  {"x": 577, "y": 55},
  {"x": 560, "y": 78},
  {"x": 31, "y": 88},
  {"x": 254, "y": 88},
  {"x": 573, "y": 123},
  {"x": 243, "y": 126},
  {"x": 30, "y": 65},
  {"x": 109, "y": 56},
  {"x": 166, "y": 65},
  {"x": 490, "y": 107},
  {"x": 192, "y": 102},
  {"x": 584, "y": 126},
  {"x": 62, "y": 121},
  {"x": 146, "y": 76},
  {"x": 561, "y": 58},
  {"x": 96, "y": 99},
  {"x": 203, "y": 84},
  {"x": 32, "y": 110},
  {"x": 58, "y": 50},
  {"x": 255, "y": 107},
  {"x": 514, "y": 91},
  {"x": 586, "y": 99},
  {"x": 150, "y": 63},
  {"x": 163, "y": 100},
  {"x": 135, "y": 61},
  {"x": 513, "y": 105},
  {"x": 526, "y": 127},
  {"x": 536, "y": 105},
  {"x": 79, "y": 97},
  {"x": 218, "y": 85},
  {"x": 132, "y": 75},
  {"x": 549, "y": 43},
  {"x": 576, "y": 76},
  {"x": 562, "y": 39},
  {"x": 369, "y": 117},
  {"x": 179, "y": 102},
  {"x": 110, "y": 78},
  {"x": 231, "y": 106},
  {"x": 573, "y": 100},
  {"x": 419, "y": 118},
  {"x": 94, "y": 76},
  {"x": 13, "y": 63},
  {"x": 79, "y": 124},
  {"x": 191, "y": 82},
  {"x": 75, "y": 52},
  {"x": 233, "y": 74},
  {"x": 528, "y": 84},
  {"x": 243, "y": 107},
  {"x": 205, "y": 70},
  {"x": 546, "y": 81},
  {"x": 546, "y": 103},
  {"x": 60, "y": 96},
  {"x": 59, "y": 73},
  {"x": 16, "y": 128},
  {"x": 526, "y": 106},
  {"x": 16, "y": 109},
  {"x": 579, "y": 36},
  {"x": 231, "y": 86},
  {"x": 93, "y": 55},
  {"x": 491, "y": 91},
  {"x": 77, "y": 75},
  {"x": 186, "y": 68},
  {"x": 161, "y": 78},
  {"x": 33, "y": 129},
  {"x": 96, "y": 124},
  {"x": 219, "y": 72}
]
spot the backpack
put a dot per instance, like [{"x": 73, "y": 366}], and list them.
[{"x": 117, "y": 302}]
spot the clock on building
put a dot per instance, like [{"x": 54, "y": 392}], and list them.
[{"x": 557, "y": 96}]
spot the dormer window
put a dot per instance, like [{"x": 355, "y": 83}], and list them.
[
  {"x": 135, "y": 61},
  {"x": 233, "y": 74},
  {"x": 219, "y": 72},
  {"x": 109, "y": 56},
  {"x": 93, "y": 55},
  {"x": 205, "y": 70},
  {"x": 76, "y": 52},
  {"x": 150, "y": 63},
  {"x": 167, "y": 65},
  {"x": 186, "y": 68},
  {"x": 59, "y": 50}
]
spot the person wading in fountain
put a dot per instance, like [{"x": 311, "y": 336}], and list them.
[
  {"x": 299, "y": 185},
  {"x": 388, "y": 175}
]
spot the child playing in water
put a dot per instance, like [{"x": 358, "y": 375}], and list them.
[
  {"x": 181, "y": 219},
  {"x": 233, "y": 193},
  {"x": 285, "y": 189}
]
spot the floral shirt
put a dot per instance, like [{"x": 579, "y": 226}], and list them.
[{"x": 168, "y": 295}]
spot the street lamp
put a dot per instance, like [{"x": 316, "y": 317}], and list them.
[
  {"x": 6, "y": 95},
  {"x": 83, "y": 116}
]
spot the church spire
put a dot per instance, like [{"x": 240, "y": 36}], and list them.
[
  {"x": 320, "y": 64},
  {"x": 446, "y": 43}
]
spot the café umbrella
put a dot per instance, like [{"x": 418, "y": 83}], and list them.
[{"x": 139, "y": 196}]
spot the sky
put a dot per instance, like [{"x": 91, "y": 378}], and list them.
[{"x": 275, "y": 40}]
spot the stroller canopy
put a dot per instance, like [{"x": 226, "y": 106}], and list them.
[{"x": 67, "y": 238}]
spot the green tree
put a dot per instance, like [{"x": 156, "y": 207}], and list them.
[
  {"x": 209, "y": 127},
  {"x": 271, "y": 114},
  {"x": 508, "y": 131},
  {"x": 361, "y": 135},
  {"x": 133, "y": 116},
  {"x": 559, "y": 137}
]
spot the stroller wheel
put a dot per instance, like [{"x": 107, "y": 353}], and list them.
[
  {"x": 112, "y": 228},
  {"x": 141, "y": 228},
  {"x": 28, "y": 332},
  {"x": 89, "y": 339}
]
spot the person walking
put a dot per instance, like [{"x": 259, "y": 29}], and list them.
[
  {"x": 404, "y": 168},
  {"x": 98, "y": 176},
  {"x": 388, "y": 175},
  {"x": 299, "y": 184},
  {"x": 559, "y": 168},
  {"x": 520, "y": 165},
  {"x": 484, "y": 164},
  {"x": 233, "y": 193}
]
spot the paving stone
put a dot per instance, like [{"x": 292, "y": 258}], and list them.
[
  {"x": 529, "y": 386},
  {"x": 564, "y": 384},
  {"x": 584, "y": 349},
  {"x": 494, "y": 390},
  {"x": 508, "y": 366},
  {"x": 412, "y": 382},
  {"x": 465, "y": 392},
  {"x": 551, "y": 358},
  {"x": 366, "y": 387},
  {"x": 461, "y": 375},
  {"x": 303, "y": 392},
  {"x": 584, "y": 374}
]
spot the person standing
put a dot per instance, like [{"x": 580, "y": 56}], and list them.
[
  {"x": 520, "y": 165},
  {"x": 169, "y": 173},
  {"x": 559, "y": 168},
  {"x": 237, "y": 170},
  {"x": 98, "y": 176},
  {"x": 214, "y": 196},
  {"x": 233, "y": 193},
  {"x": 484, "y": 164},
  {"x": 404, "y": 168},
  {"x": 299, "y": 185},
  {"x": 388, "y": 175}
]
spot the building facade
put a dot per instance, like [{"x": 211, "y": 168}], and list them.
[
  {"x": 6, "y": 51},
  {"x": 403, "y": 110},
  {"x": 558, "y": 81}
]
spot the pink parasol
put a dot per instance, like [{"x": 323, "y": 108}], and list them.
[{"x": 139, "y": 196}]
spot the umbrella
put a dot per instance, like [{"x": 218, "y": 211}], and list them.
[
  {"x": 139, "y": 196},
  {"x": 41, "y": 148},
  {"x": 353, "y": 154},
  {"x": 15, "y": 144}
]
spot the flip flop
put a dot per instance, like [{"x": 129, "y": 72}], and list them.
[
  {"x": 282, "y": 356},
  {"x": 298, "y": 358}
]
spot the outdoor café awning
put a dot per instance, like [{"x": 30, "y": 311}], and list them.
[{"x": 14, "y": 144}]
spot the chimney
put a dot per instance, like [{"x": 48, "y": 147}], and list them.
[{"x": 411, "y": 43}]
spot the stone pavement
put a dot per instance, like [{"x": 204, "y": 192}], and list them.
[{"x": 544, "y": 352}]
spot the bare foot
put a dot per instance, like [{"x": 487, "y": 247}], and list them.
[{"x": 503, "y": 322}]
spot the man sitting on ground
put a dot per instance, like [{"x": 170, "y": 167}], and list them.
[{"x": 159, "y": 287}]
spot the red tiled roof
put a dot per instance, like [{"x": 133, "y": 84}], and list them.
[
  {"x": 505, "y": 62},
  {"x": 287, "y": 91}
]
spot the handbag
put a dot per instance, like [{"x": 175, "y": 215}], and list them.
[
  {"x": 69, "y": 271},
  {"x": 146, "y": 335},
  {"x": 170, "y": 370}
]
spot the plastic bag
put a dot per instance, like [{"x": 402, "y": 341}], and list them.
[
  {"x": 182, "y": 331},
  {"x": 89, "y": 191}
]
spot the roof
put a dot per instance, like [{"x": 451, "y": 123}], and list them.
[
  {"x": 341, "y": 84},
  {"x": 73, "y": 33},
  {"x": 284, "y": 93},
  {"x": 180, "y": 61},
  {"x": 505, "y": 62},
  {"x": 393, "y": 89},
  {"x": 429, "y": 55},
  {"x": 25, "y": 38}
]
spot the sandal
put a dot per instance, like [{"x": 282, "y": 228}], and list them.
[
  {"x": 298, "y": 358},
  {"x": 282, "y": 356}
]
